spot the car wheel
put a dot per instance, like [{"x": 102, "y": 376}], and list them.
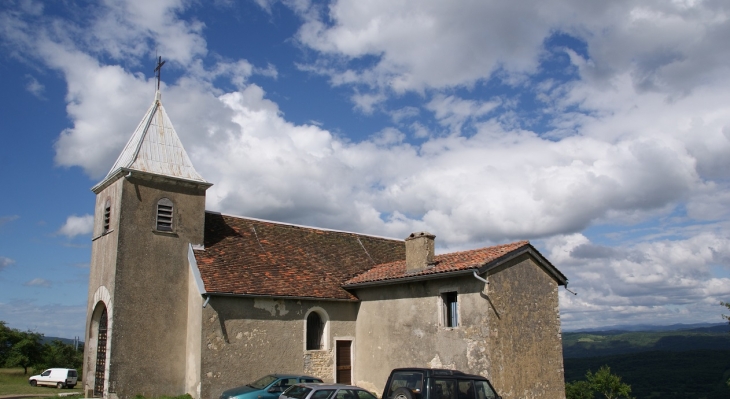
[
  {"x": 403, "y": 393},
  {"x": 72, "y": 386},
  {"x": 33, "y": 383},
  {"x": 59, "y": 385}
]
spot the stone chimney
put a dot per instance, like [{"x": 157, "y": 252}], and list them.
[{"x": 419, "y": 251}]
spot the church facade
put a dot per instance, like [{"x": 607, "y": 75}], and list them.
[{"x": 183, "y": 300}]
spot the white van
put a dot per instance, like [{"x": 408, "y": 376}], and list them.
[{"x": 55, "y": 377}]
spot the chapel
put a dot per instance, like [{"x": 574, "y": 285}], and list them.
[{"x": 184, "y": 300}]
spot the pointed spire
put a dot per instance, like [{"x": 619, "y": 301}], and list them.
[{"x": 155, "y": 148}]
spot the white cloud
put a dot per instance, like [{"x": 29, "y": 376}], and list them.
[
  {"x": 453, "y": 112},
  {"x": 5, "y": 262},
  {"x": 667, "y": 46},
  {"x": 38, "y": 282},
  {"x": 77, "y": 225},
  {"x": 437, "y": 44},
  {"x": 630, "y": 154},
  {"x": 68, "y": 321},
  {"x": 638, "y": 135},
  {"x": 35, "y": 87},
  {"x": 622, "y": 285},
  {"x": 7, "y": 219}
]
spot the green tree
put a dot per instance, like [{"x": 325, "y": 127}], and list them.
[
  {"x": 607, "y": 384},
  {"x": 59, "y": 354},
  {"x": 26, "y": 351},
  {"x": 6, "y": 342},
  {"x": 578, "y": 390},
  {"x": 603, "y": 383}
]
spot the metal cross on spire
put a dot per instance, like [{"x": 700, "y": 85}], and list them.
[{"x": 158, "y": 69}]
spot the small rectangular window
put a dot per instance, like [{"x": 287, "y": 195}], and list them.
[{"x": 450, "y": 309}]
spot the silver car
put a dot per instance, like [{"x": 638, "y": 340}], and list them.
[{"x": 325, "y": 391}]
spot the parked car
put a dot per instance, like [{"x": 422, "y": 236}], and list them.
[
  {"x": 326, "y": 391},
  {"x": 423, "y": 383},
  {"x": 55, "y": 377},
  {"x": 267, "y": 387}
]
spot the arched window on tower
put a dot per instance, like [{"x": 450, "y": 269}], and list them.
[
  {"x": 164, "y": 215},
  {"x": 315, "y": 331}
]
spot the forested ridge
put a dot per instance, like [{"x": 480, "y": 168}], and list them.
[{"x": 680, "y": 364}]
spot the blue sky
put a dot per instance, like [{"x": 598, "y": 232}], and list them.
[{"x": 600, "y": 131}]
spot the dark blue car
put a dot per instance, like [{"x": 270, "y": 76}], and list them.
[{"x": 267, "y": 387}]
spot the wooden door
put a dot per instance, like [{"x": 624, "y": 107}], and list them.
[
  {"x": 99, "y": 374},
  {"x": 344, "y": 362}
]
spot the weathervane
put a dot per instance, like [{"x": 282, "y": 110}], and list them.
[{"x": 158, "y": 69}]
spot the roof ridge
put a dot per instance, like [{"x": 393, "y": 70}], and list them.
[
  {"x": 153, "y": 109},
  {"x": 305, "y": 226},
  {"x": 522, "y": 242}
]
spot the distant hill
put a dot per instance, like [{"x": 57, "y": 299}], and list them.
[
  {"x": 714, "y": 327},
  {"x": 608, "y": 343},
  {"x": 68, "y": 341}
]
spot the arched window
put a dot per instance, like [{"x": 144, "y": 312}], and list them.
[
  {"x": 107, "y": 216},
  {"x": 164, "y": 215},
  {"x": 315, "y": 331}
]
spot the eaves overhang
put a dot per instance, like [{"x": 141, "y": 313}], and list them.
[
  {"x": 147, "y": 176},
  {"x": 411, "y": 279}
]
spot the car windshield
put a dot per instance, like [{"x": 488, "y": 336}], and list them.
[
  {"x": 322, "y": 394},
  {"x": 262, "y": 382},
  {"x": 361, "y": 394},
  {"x": 297, "y": 392}
]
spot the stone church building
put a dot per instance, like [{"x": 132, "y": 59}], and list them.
[{"x": 184, "y": 300}]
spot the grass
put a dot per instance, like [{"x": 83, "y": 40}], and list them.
[{"x": 13, "y": 381}]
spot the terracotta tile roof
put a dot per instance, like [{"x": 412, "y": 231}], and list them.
[
  {"x": 445, "y": 263},
  {"x": 254, "y": 257}
]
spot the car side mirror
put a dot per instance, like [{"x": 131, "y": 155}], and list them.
[{"x": 275, "y": 389}]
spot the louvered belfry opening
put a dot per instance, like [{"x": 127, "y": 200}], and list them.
[
  {"x": 99, "y": 373},
  {"x": 164, "y": 215},
  {"x": 107, "y": 215},
  {"x": 315, "y": 328}
]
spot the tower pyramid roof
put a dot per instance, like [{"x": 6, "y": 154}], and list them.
[{"x": 155, "y": 148}]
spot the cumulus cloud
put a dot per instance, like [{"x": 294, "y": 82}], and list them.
[
  {"x": 5, "y": 262},
  {"x": 637, "y": 134},
  {"x": 666, "y": 279},
  {"x": 77, "y": 225},
  {"x": 627, "y": 153},
  {"x": 666, "y": 46}
]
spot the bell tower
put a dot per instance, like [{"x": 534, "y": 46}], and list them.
[{"x": 150, "y": 210}]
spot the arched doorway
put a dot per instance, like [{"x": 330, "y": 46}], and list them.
[{"x": 100, "y": 372}]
